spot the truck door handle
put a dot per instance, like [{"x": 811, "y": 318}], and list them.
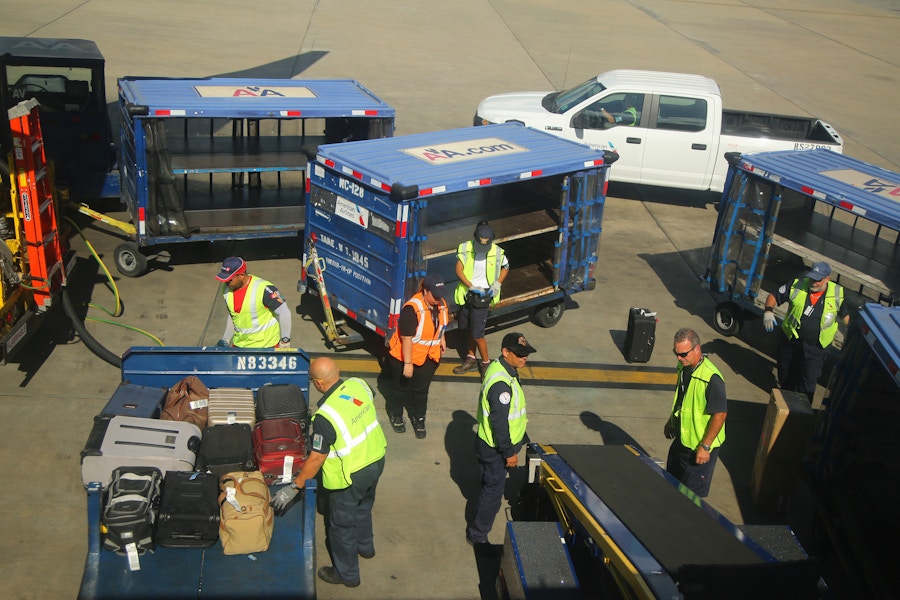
[
  {"x": 698, "y": 146},
  {"x": 632, "y": 140}
]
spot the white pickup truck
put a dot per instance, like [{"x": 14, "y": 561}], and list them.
[{"x": 669, "y": 129}]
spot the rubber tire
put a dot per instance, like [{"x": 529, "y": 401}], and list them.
[
  {"x": 549, "y": 315},
  {"x": 129, "y": 260},
  {"x": 728, "y": 318}
]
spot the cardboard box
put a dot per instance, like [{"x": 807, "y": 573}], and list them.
[{"x": 785, "y": 436}]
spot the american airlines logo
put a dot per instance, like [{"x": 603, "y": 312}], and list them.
[{"x": 455, "y": 152}]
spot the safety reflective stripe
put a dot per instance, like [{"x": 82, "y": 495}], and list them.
[
  {"x": 417, "y": 338},
  {"x": 349, "y": 442}
]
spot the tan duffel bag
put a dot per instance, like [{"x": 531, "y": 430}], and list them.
[{"x": 247, "y": 520}]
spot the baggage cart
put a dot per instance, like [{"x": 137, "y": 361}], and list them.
[
  {"x": 220, "y": 158},
  {"x": 384, "y": 213},
  {"x": 783, "y": 211},
  {"x": 285, "y": 570}
]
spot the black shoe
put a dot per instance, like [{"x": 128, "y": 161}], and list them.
[
  {"x": 398, "y": 424},
  {"x": 367, "y": 554},
  {"x": 472, "y": 542},
  {"x": 419, "y": 428},
  {"x": 330, "y": 575}
]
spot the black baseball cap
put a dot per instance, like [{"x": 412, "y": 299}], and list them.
[
  {"x": 434, "y": 283},
  {"x": 517, "y": 344}
]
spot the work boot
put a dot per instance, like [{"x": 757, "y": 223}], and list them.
[
  {"x": 470, "y": 364},
  {"x": 398, "y": 424},
  {"x": 482, "y": 366},
  {"x": 419, "y": 427}
]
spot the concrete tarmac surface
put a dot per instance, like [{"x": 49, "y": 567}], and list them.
[{"x": 434, "y": 61}]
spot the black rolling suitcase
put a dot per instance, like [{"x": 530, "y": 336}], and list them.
[
  {"x": 226, "y": 448},
  {"x": 188, "y": 510},
  {"x": 641, "y": 335},
  {"x": 281, "y": 401}
]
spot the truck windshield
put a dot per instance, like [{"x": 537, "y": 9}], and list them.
[
  {"x": 58, "y": 89},
  {"x": 560, "y": 102}
]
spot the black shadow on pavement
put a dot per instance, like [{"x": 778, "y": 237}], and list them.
[
  {"x": 611, "y": 434},
  {"x": 748, "y": 364}
]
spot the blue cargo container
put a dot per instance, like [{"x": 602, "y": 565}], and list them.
[
  {"x": 213, "y": 159},
  {"x": 384, "y": 213},
  {"x": 783, "y": 211},
  {"x": 854, "y": 465}
]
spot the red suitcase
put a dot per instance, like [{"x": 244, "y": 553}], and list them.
[{"x": 280, "y": 449}]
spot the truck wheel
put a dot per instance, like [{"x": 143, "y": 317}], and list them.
[
  {"x": 129, "y": 260},
  {"x": 549, "y": 315},
  {"x": 728, "y": 318}
]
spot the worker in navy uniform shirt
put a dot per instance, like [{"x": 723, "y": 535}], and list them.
[
  {"x": 696, "y": 424},
  {"x": 501, "y": 431}
]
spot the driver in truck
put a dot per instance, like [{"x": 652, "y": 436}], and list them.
[{"x": 630, "y": 116}]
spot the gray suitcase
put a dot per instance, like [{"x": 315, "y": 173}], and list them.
[
  {"x": 136, "y": 442},
  {"x": 228, "y": 406}
]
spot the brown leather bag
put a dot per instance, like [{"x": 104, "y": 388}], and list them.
[{"x": 187, "y": 400}]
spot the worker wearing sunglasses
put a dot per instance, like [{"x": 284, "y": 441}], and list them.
[{"x": 696, "y": 424}]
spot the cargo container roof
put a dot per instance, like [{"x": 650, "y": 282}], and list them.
[
  {"x": 837, "y": 179},
  {"x": 252, "y": 98},
  {"x": 49, "y": 48},
  {"x": 458, "y": 159},
  {"x": 884, "y": 335}
]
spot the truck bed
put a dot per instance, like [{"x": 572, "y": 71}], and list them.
[{"x": 786, "y": 127}]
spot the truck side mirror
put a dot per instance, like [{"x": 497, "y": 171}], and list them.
[{"x": 581, "y": 121}]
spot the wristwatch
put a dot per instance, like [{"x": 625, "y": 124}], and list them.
[
  {"x": 295, "y": 486},
  {"x": 285, "y": 340},
  {"x": 706, "y": 447}
]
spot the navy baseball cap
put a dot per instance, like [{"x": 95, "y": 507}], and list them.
[
  {"x": 435, "y": 284},
  {"x": 231, "y": 266},
  {"x": 819, "y": 271},
  {"x": 517, "y": 344},
  {"x": 483, "y": 231}
]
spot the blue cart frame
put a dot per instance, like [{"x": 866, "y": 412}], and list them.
[{"x": 783, "y": 211}]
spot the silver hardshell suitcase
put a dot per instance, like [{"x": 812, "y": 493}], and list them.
[
  {"x": 231, "y": 405},
  {"x": 117, "y": 441}
]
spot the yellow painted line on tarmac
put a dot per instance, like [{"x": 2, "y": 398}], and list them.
[{"x": 535, "y": 373}]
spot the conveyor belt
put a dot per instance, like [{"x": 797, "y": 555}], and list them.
[{"x": 700, "y": 552}]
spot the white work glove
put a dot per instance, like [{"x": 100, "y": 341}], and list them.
[
  {"x": 495, "y": 288},
  {"x": 283, "y": 498},
  {"x": 284, "y": 344},
  {"x": 476, "y": 290},
  {"x": 769, "y": 321}
]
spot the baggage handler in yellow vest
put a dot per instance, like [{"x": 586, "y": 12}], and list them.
[
  {"x": 259, "y": 316},
  {"x": 348, "y": 446},
  {"x": 415, "y": 351},
  {"x": 697, "y": 421},
  {"x": 481, "y": 267},
  {"x": 501, "y": 431},
  {"x": 815, "y": 305}
]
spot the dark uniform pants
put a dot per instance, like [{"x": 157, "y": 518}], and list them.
[
  {"x": 800, "y": 365},
  {"x": 681, "y": 465},
  {"x": 348, "y": 530},
  {"x": 412, "y": 393},
  {"x": 492, "y": 467}
]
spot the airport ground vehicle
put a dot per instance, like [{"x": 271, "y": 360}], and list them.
[
  {"x": 66, "y": 77},
  {"x": 783, "y": 211},
  {"x": 384, "y": 213},
  {"x": 633, "y": 531},
  {"x": 213, "y": 159},
  {"x": 855, "y": 476},
  {"x": 285, "y": 570},
  {"x": 681, "y": 131}
]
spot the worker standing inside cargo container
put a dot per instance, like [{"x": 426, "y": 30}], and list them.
[
  {"x": 481, "y": 267},
  {"x": 415, "y": 351},
  {"x": 348, "y": 446},
  {"x": 258, "y": 314},
  {"x": 815, "y": 305},
  {"x": 501, "y": 431},
  {"x": 696, "y": 424}
]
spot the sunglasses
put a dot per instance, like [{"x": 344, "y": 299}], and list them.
[{"x": 683, "y": 354}]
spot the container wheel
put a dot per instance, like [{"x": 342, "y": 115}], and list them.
[
  {"x": 728, "y": 318},
  {"x": 549, "y": 315},
  {"x": 129, "y": 260}
]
